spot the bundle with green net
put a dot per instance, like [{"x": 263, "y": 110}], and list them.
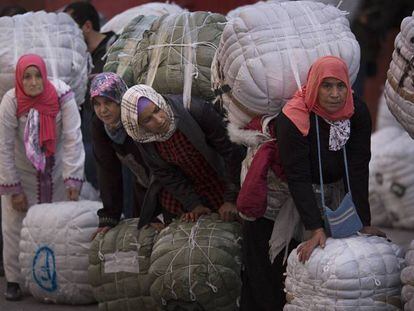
[
  {"x": 197, "y": 265},
  {"x": 175, "y": 56},
  {"x": 118, "y": 268},
  {"x": 120, "y": 54}
]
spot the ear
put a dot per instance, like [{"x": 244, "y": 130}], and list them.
[{"x": 87, "y": 27}]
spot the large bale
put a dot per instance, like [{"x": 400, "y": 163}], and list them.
[
  {"x": 197, "y": 265},
  {"x": 384, "y": 117},
  {"x": 54, "y": 245},
  {"x": 118, "y": 267},
  {"x": 356, "y": 273},
  {"x": 399, "y": 87},
  {"x": 266, "y": 52},
  {"x": 407, "y": 278},
  {"x": 120, "y": 54},
  {"x": 391, "y": 181},
  {"x": 175, "y": 56},
  {"x": 119, "y": 21},
  {"x": 56, "y": 38}
]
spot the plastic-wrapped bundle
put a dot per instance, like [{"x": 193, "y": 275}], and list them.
[
  {"x": 385, "y": 117},
  {"x": 197, "y": 265},
  {"x": 54, "y": 245},
  {"x": 266, "y": 52},
  {"x": 357, "y": 273},
  {"x": 407, "y": 278},
  {"x": 120, "y": 54},
  {"x": 175, "y": 56},
  {"x": 55, "y": 37},
  {"x": 118, "y": 268},
  {"x": 119, "y": 21},
  {"x": 399, "y": 87},
  {"x": 392, "y": 178}
]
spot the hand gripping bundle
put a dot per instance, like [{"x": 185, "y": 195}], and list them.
[
  {"x": 56, "y": 38},
  {"x": 54, "y": 245},
  {"x": 407, "y": 278},
  {"x": 356, "y": 273}
]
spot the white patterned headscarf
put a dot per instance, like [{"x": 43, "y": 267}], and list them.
[{"x": 129, "y": 114}]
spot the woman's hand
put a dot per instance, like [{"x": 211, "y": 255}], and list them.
[
  {"x": 196, "y": 213},
  {"x": 19, "y": 202},
  {"x": 373, "y": 231},
  {"x": 102, "y": 230},
  {"x": 72, "y": 194},
  {"x": 306, "y": 248},
  {"x": 228, "y": 211}
]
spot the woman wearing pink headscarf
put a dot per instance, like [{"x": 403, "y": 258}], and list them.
[{"x": 42, "y": 155}]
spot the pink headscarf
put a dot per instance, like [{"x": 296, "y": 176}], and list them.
[
  {"x": 303, "y": 103},
  {"x": 46, "y": 103}
]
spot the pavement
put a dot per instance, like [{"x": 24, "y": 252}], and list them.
[{"x": 400, "y": 237}]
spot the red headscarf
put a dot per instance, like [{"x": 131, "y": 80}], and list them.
[
  {"x": 300, "y": 106},
  {"x": 46, "y": 103}
]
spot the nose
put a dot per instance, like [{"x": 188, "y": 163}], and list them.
[
  {"x": 335, "y": 91},
  {"x": 158, "y": 118}
]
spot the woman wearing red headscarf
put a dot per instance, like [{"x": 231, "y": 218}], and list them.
[
  {"x": 343, "y": 121},
  {"x": 42, "y": 157}
]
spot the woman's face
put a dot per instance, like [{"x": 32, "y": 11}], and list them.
[
  {"x": 332, "y": 94},
  {"x": 108, "y": 111},
  {"x": 32, "y": 81},
  {"x": 154, "y": 120}
]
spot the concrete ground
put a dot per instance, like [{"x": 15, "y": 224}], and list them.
[{"x": 399, "y": 237}]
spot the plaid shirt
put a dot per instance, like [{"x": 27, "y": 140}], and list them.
[{"x": 179, "y": 151}]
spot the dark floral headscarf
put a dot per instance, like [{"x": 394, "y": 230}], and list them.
[{"x": 109, "y": 85}]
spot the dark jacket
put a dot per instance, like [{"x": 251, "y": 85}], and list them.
[
  {"x": 107, "y": 155},
  {"x": 205, "y": 129},
  {"x": 300, "y": 161}
]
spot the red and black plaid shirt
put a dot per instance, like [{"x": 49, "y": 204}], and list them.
[{"x": 179, "y": 151}]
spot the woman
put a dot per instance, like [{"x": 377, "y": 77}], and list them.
[
  {"x": 42, "y": 155},
  {"x": 112, "y": 147},
  {"x": 343, "y": 121},
  {"x": 196, "y": 169}
]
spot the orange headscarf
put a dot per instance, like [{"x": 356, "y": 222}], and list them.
[{"x": 304, "y": 102}]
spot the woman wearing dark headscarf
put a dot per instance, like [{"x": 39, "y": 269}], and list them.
[
  {"x": 195, "y": 168},
  {"x": 343, "y": 121},
  {"x": 42, "y": 156},
  {"x": 112, "y": 147}
]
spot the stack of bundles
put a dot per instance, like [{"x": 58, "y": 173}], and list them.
[
  {"x": 265, "y": 54},
  {"x": 119, "y": 21},
  {"x": 357, "y": 273},
  {"x": 120, "y": 54},
  {"x": 54, "y": 245},
  {"x": 197, "y": 265},
  {"x": 118, "y": 267},
  {"x": 55, "y": 37},
  {"x": 175, "y": 56},
  {"x": 391, "y": 183},
  {"x": 399, "y": 88},
  {"x": 407, "y": 278},
  {"x": 384, "y": 116}
]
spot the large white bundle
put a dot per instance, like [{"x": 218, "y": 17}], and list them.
[
  {"x": 54, "y": 249},
  {"x": 392, "y": 178},
  {"x": 384, "y": 116},
  {"x": 357, "y": 273},
  {"x": 55, "y": 37},
  {"x": 399, "y": 88},
  {"x": 407, "y": 278},
  {"x": 119, "y": 21},
  {"x": 265, "y": 53}
]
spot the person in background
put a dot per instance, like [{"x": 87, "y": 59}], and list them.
[
  {"x": 195, "y": 168},
  {"x": 42, "y": 156},
  {"x": 112, "y": 147}
]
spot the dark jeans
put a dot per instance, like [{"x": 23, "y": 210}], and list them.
[{"x": 263, "y": 282}]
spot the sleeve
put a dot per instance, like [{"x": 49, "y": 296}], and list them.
[
  {"x": 73, "y": 156},
  {"x": 9, "y": 177},
  {"x": 170, "y": 177},
  {"x": 295, "y": 158},
  {"x": 359, "y": 155},
  {"x": 215, "y": 131}
]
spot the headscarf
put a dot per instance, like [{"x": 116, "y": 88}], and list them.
[
  {"x": 46, "y": 103},
  {"x": 112, "y": 87},
  {"x": 304, "y": 102},
  {"x": 129, "y": 114}
]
